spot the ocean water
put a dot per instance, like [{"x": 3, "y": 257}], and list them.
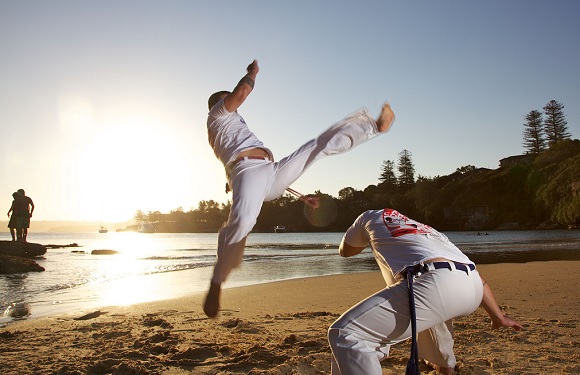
[{"x": 160, "y": 266}]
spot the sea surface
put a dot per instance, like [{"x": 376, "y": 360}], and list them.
[{"x": 157, "y": 266}]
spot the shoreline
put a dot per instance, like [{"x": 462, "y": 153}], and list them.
[
  {"x": 280, "y": 327},
  {"x": 168, "y": 286}
]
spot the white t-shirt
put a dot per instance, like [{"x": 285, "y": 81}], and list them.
[
  {"x": 398, "y": 241},
  {"x": 229, "y": 135}
]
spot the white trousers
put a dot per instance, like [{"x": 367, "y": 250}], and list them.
[
  {"x": 362, "y": 336},
  {"x": 256, "y": 181},
  {"x": 436, "y": 343}
]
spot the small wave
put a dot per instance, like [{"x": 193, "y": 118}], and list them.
[
  {"x": 102, "y": 279},
  {"x": 176, "y": 257},
  {"x": 293, "y": 246},
  {"x": 278, "y": 257}
]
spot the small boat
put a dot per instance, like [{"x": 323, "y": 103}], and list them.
[
  {"x": 146, "y": 228},
  {"x": 279, "y": 229},
  {"x": 103, "y": 229}
]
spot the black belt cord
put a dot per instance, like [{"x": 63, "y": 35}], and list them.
[{"x": 413, "y": 363}]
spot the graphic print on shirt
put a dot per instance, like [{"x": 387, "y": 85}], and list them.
[{"x": 400, "y": 225}]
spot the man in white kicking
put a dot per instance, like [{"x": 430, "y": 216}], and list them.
[
  {"x": 255, "y": 177},
  {"x": 446, "y": 285}
]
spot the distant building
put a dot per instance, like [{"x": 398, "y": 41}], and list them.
[{"x": 516, "y": 160}]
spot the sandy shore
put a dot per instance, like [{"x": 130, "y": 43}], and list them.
[{"x": 280, "y": 328}]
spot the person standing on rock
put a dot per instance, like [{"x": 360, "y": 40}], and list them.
[
  {"x": 12, "y": 221},
  {"x": 23, "y": 212}
]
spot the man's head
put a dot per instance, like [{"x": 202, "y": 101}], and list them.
[
  {"x": 20, "y": 191},
  {"x": 216, "y": 97}
]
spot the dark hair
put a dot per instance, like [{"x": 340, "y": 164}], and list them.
[{"x": 215, "y": 97}]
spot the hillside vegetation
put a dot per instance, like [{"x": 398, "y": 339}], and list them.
[{"x": 537, "y": 193}]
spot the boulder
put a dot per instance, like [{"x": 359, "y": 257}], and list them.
[
  {"x": 22, "y": 249},
  {"x": 16, "y": 264},
  {"x": 104, "y": 252}
]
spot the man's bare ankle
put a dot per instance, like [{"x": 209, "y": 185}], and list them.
[{"x": 211, "y": 304}]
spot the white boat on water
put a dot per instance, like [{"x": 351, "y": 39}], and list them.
[
  {"x": 280, "y": 229},
  {"x": 146, "y": 228},
  {"x": 103, "y": 230}
]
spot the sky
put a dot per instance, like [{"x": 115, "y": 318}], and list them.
[{"x": 103, "y": 104}]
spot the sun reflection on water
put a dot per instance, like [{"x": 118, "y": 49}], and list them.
[{"x": 121, "y": 275}]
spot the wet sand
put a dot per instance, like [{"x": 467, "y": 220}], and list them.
[{"x": 280, "y": 328}]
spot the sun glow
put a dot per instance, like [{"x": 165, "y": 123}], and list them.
[{"x": 131, "y": 165}]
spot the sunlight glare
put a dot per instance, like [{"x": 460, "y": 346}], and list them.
[
  {"x": 129, "y": 166},
  {"x": 122, "y": 275}
]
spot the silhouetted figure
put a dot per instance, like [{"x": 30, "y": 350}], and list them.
[
  {"x": 23, "y": 213},
  {"x": 12, "y": 221}
]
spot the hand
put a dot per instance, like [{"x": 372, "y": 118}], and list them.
[
  {"x": 311, "y": 200},
  {"x": 253, "y": 67},
  {"x": 506, "y": 321}
]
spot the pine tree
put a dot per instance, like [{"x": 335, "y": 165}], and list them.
[
  {"x": 388, "y": 173},
  {"x": 555, "y": 124},
  {"x": 534, "y": 141},
  {"x": 406, "y": 168}
]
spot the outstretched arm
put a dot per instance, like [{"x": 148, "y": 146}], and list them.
[
  {"x": 234, "y": 100},
  {"x": 498, "y": 319}
]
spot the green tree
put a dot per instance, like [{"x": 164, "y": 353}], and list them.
[
  {"x": 388, "y": 173},
  {"x": 534, "y": 141},
  {"x": 140, "y": 216},
  {"x": 406, "y": 168},
  {"x": 555, "y": 124}
]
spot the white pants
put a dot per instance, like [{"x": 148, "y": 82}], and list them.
[
  {"x": 256, "y": 181},
  {"x": 361, "y": 337},
  {"x": 436, "y": 343}
]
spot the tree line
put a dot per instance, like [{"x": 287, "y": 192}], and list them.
[
  {"x": 540, "y": 189},
  {"x": 543, "y": 130}
]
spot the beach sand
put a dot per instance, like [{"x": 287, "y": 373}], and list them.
[{"x": 280, "y": 328}]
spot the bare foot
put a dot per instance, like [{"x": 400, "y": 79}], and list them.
[
  {"x": 211, "y": 304},
  {"x": 386, "y": 118}
]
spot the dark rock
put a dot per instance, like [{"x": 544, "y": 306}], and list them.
[
  {"x": 18, "y": 310},
  {"x": 104, "y": 252},
  {"x": 22, "y": 249},
  {"x": 16, "y": 264}
]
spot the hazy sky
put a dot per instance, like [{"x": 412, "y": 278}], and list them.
[{"x": 103, "y": 104}]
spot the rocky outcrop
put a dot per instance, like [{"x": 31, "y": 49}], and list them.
[
  {"x": 14, "y": 264},
  {"x": 15, "y": 257},
  {"x": 22, "y": 249},
  {"x": 104, "y": 252}
]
